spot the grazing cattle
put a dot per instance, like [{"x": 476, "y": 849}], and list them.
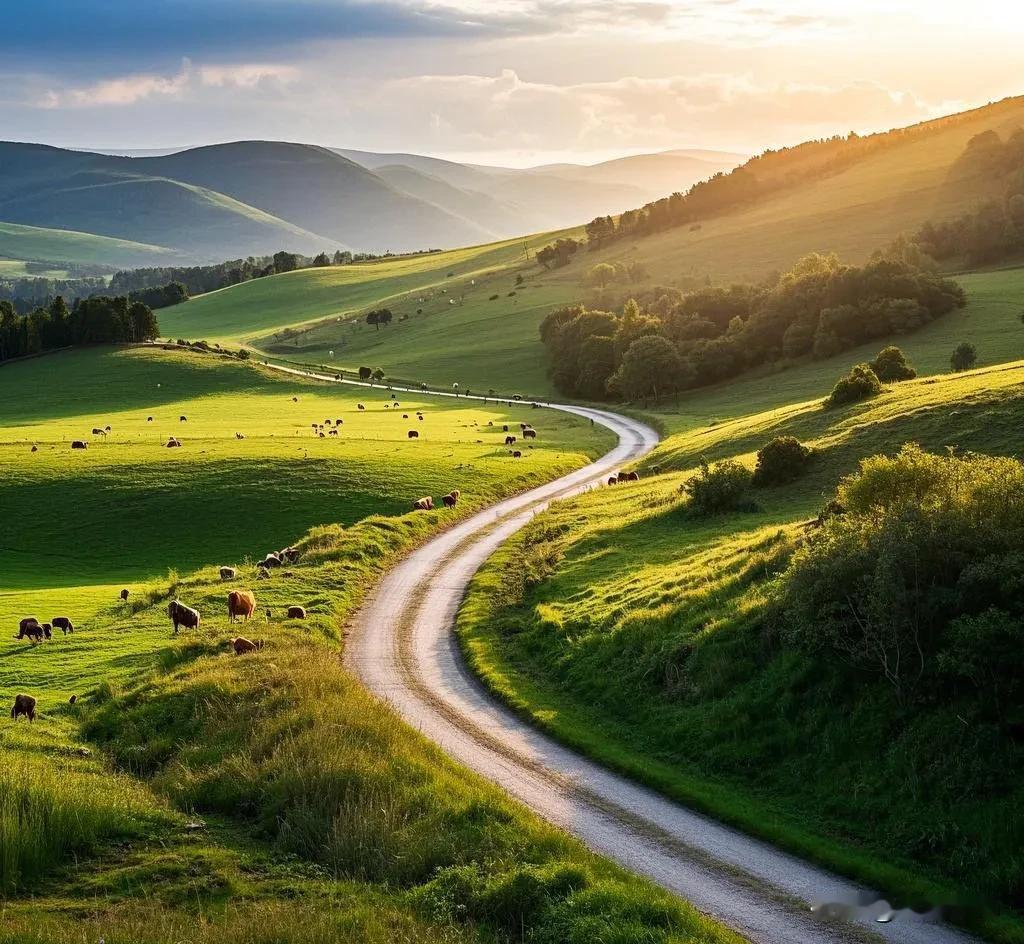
[
  {"x": 423, "y": 504},
  {"x": 450, "y": 500},
  {"x": 173, "y": 443},
  {"x": 332, "y": 432},
  {"x": 414, "y": 434},
  {"x": 227, "y": 573},
  {"x": 240, "y": 603},
  {"x": 72, "y": 699},
  {"x": 79, "y": 444},
  {"x": 296, "y": 612},
  {"x": 360, "y": 406},
  {"x": 290, "y": 554},
  {"x": 24, "y": 705},
  {"x": 509, "y": 440},
  {"x": 456, "y": 493},
  {"x": 124, "y": 596},
  {"x": 239, "y": 436},
  {"x": 529, "y": 433},
  {"x": 295, "y": 399},
  {"x": 338, "y": 422},
  {"x": 35, "y": 449},
  {"x": 504, "y": 428},
  {"x": 313, "y": 426},
  {"x": 63, "y": 624},
  {"x": 47, "y": 629},
  {"x": 106, "y": 429},
  {"x": 405, "y": 416},
  {"x": 96, "y": 431},
  {"x": 517, "y": 455},
  {"x": 182, "y": 615},
  {"x": 149, "y": 419},
  {"x": 271, "y": 560},
  {"x": 327, "y": 422},
  {"x": 629, "y": 477},
  {"x": 24, "y": 624},
  {"x": 182, "y": 419},
  {"x": 241, "y": 645},
  {"x": 321, "y": 435}
]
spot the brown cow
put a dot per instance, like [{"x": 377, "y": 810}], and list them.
[
  {"x": 239, "y": 436},
  {"x": 96, "y": 431},
  {"x": 423, "y": 504},
  {"x": 359, "y": 406},
  {"x": 182, "y": 615},
  {"x": 504, "y": 428},
  {"x": 450, "y": 500},
  {"x": 241, "y": 645},
  {"x": 124, "y": 596},
  {"x": 240, "y": 603},
  {"x": 517, "y": 455},
  {"x": 414, "y": 434},
  {"x": 629, "y": 477},
  {"x": 271, "y": 560},
  {"x": 149, "y": 419},
  {"x": 290, "y": 554},
  {"x": 24, "y": 705},
  {"x": 35, "y": 449},
  {"x": 338, "y": 422},
  {"x": 296, "y": 612},
  {"x": 79, "y": 444},
  {"x": 332, "y": 432},
  {"x": 227, "y": 573},
  {"x": 182, "y": 419},
  {"x": 509, "y": 440},
  {"x": 529, "y": 433},
  {"x": 63, "y": 624},
  {"x": 455, "y": 493},
  {"x": 613, "y": 479}
]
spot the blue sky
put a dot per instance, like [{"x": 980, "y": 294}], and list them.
[{"x": 494, "y": 80}]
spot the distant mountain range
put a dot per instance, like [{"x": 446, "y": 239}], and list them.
[{"x": 255, "y": 197}]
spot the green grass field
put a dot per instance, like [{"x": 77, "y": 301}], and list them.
[
  {"x": 30, "y": 243},
  {"x": 620, "y": 584},
  {"x": 320, "y": 816}
]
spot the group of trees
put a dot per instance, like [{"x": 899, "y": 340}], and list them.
[
  {"x": 161, "y": 296},
  {"x": 995, "y": 230},
  {"x": 558, "y": 254},
  {"x": 818, "y": 309},
  {"x": 379, "y": 316},
  {"x": 101, "y": 319},
  {"x": 27, "y": 294}
]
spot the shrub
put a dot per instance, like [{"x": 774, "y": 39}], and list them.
[
  {"x": 859, "y": 384},
  {"x": 921, "y": 577},
  {"x": 964, "y": 357},
  {"x": 244, "y": 354},
  {"x": 890, "y": 366},
  {"x": 782, "y": 460},
  {"x": 719, "y": 488}
]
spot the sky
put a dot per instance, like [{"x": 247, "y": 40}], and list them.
[{"x": 513, "y": 82}]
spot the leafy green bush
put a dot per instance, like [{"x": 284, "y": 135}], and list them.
[
  {"x": 859, "y": 384},
  {"x": 921, "y": 577},
  {"x": 964, "y": 357},
  {"x": 890, "y": 366},
  {"x": 718, "y": 488},
  {"x": 782, "y": 460}
]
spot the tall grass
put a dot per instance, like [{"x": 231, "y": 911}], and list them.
[{"x": 47, "y": 815}]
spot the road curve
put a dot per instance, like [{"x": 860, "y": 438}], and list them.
[{"x": 402, "y": 646}]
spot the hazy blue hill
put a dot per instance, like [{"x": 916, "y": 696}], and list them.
[{"x": 321, "y": 191}]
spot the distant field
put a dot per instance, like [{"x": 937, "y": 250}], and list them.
[{"x": 56, "y": 245}]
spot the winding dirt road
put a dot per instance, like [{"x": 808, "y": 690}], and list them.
[{"x": 402, "y": 646}]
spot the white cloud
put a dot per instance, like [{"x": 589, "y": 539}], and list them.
[{"x": 132, "y": 89}]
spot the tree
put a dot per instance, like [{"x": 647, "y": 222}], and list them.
[
  {"x": 651, "y": 367},
  {"x": 322, "y": 260},
  {"x": 860, "y": 384},
  {"x": 964, "y": 357},
  {"x": 780, "y": 461},
  {"x": 601, "y": 275},
  {"x": 890, "y": 366},
  {"x": 285, "y": 261},
  {"x": 142, "y": 324},
  {"x": 378, "y": 374}
]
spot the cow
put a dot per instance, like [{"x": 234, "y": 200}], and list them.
[
  {"x": 296, "y": 612},
  {"x": 35, "y": 449},
  {"x": 182, "y": 419},
  {"x": 24, "y": 624},
  {"x": 124, "y": 596},
  {"x": 149, "y": 419},
  {"x": 405, "y": 416},
  {"x": 327, "y": 422},
  {"x": 96, "y": 431},
  {"x": 321, "y": 435},
  {"x": 359, "y": 406},
  {"x": 182, "y": 615},
  {"x": 509, "y": 440},
  {"x": 613, "y": 480},
  {"x": 71, "y": 701},
  {"x": 24, "y": 705},
  {"x": 450, "y": 500},
  {"x": 295, "y": 399},
  {"x": 106, "y": 429},
  {"x": 313, "y": 426},
  {"x": 414, "y": 434},
  {"x": 47, "y": 629},
  {"x": 79, "y": 444},
  {"x": 517, "y": 455},
  {"x": 239, "y": 436},
  {"x": 63, "y": 624},
  {"x": 290, "y": 554},
  {"x": 529, "y": 433},
  {"x": 455, "y": 493},
  {"x": 504, "y": 428},
  {"x": 423, "y": 504},
  {"x": 173, "y": 443},
  {"x": 241, "y": 645},
  {"x": 332, "y": 432},
  {"x": 338, "y": 422},
  {"x": 271, "y": 560},
  {"x": 240, "y": 603},
  {"x": 629, "y": 477}
]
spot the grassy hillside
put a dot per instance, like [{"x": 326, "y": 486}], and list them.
[
  {"x": 193, "y": 795},
  {"x": 32, "y": 243},
  {"x": 621, "y": 584}
]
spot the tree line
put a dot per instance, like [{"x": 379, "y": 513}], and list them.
[
  {"x": 660, "y": 345},
  {"x": 101, "y": 319}
]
